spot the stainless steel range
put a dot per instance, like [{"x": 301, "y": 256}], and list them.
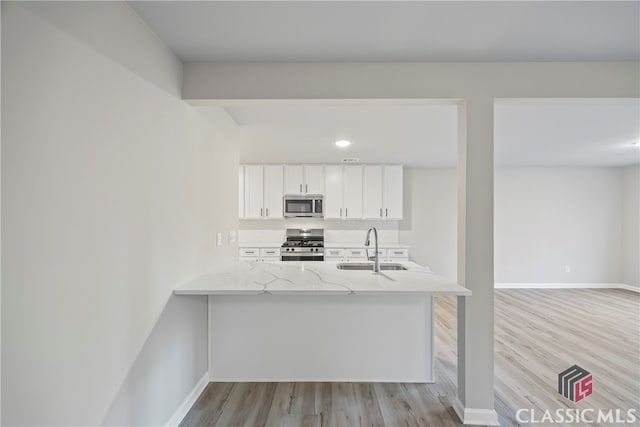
[{"x": 303, "y": 245}]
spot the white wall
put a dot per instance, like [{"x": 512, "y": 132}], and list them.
[
  {"x": 545, "y": 219},
  {"x": 548, "y": 218},
  {"x": 112, "y": 191},
  {"x": 429, "y": 226},
  {"x": 630, "y": 179}
]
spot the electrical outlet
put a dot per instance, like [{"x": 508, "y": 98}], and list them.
[
  {"x": 232, "y": 237},
  {"x": 567, "y": 268},
  {"x": 218, "y": 239}
]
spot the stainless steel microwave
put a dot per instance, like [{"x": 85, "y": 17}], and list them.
[{"x": 303, "y": 206}]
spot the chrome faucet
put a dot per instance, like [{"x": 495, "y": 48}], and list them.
[{"x": 376, "y": 257}]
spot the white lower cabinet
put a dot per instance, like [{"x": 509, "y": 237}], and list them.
[
  {"x": 355, "y": 255},
  {"x": 270, "y": 254},
  {"x": 334, "y": 253},
  {"x": 362, "y": 254},
  {"x": 397, "y": 254},
  {"x": 249, "y": 254}
]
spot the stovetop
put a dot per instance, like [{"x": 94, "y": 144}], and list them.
[{"x": 303, "y": 244}]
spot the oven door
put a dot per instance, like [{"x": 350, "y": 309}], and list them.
[{"x": 302, "y": 257}]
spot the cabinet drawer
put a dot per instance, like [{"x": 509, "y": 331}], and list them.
[
  {"x": 249, "y": 258},
  {"x": 356, "y": 253},
  {"x": 333, "y": 258},
  {"x": 270, "y": 259},
  {"x": 249, "y": 252},
  {"x": 270, "y": 252},
  {"x": 331, "y": 253},
  {"x": 398, "y": 253}
]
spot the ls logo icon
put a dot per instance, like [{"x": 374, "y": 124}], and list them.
[{"x": 575, "y": 383}]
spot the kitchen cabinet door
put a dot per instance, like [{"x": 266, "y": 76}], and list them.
[
  {"x": 273, "y": 192},
  {"x": 333, "y": 208},
  {"x": 294, "y": 179},
  {"x": 372, "y": 196},
  {"x": 241, "y": 192},
  {"x": 392, "y": 192},
  {"x": 314, "y": 179},
  {"x": 253, "y": 191},
  {"x": 352, "y": 192}
]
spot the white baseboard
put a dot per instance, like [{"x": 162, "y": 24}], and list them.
[
  {"x": 566, "y": 286},
  {"x": 188, "y": 402},
  {"x": 473, "y": 416},
  {"x": 630, "y": 287}
]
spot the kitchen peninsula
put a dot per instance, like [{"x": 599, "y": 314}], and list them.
[{"x": 310, "y": 321}]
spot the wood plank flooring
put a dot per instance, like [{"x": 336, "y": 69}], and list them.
[{"x": 538, "y": 333}]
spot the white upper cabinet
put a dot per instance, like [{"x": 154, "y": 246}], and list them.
[
  {"x": 372, "y": 194},
  {"x": 273, "y": 192},
  {"x": 253, "y": 191},
  {"x": 314, "y": 179},
  {"x": 350, "y": 191},
  {"x": 307, "y": 179},
  {"x": 261, "y": 192},
  {"x": 333, "y": 201},
  {"x": 352, "y": 187},
  {"x": 293, "y": 179},
  {"x": 383, "y": 192},
  {"x": 241, "y": 192},
  {"x": 392, "y": 192}
]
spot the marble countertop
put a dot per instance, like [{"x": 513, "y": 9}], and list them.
[{"x": 317, "y": 278}]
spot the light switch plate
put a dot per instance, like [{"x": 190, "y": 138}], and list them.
[
  {"x": 232, "y": 237},
  {"x": 218, "y": 239}
]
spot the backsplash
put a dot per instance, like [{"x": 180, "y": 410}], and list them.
[{"x": 334, "y": 231}]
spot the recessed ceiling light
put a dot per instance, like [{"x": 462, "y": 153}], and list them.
[{"x": 343, "y": 143}]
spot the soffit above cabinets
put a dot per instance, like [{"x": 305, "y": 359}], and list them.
[{"x": 526, "y": 132}]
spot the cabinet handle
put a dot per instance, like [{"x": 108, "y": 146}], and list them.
[
  {"x": 346, "y": 212},
  {"x": 301, "y": 188},
  {"x": 397, "y": 253},
  {"x": 306, "y": 188},
  {"x": 261, "y": 212},
  {"x": 267, "y": 212},
  {"x": 386, "y": 210},
  {"x": 380, "y": 212},
  {"x": 340, "y": 212}
]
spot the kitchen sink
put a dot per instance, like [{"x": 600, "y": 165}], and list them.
[{"x": 368, "y": 266}]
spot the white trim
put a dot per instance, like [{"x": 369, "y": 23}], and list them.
[
  {"x": 188, "y": 402},
  {"x": 630, "y": 287},
  {"x": 565, "y": 286},
  {"x": 474, "y": 416}
]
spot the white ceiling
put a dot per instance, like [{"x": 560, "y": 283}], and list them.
[
  {"x": 527, "y": 133},
  {"x": 396, "y": 30}
]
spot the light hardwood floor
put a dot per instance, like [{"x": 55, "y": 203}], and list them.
[{"x": 538, "y": 333}]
